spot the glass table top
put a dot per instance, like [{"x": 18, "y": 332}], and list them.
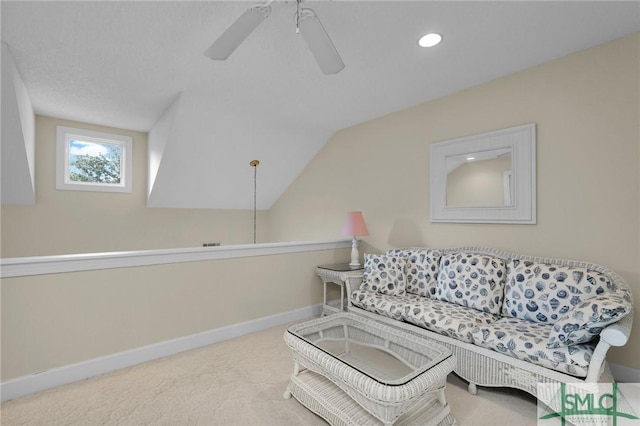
[{"x": 387, "y": 355}]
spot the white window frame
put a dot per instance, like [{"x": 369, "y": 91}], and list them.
[{"x": 65, "y": 134}]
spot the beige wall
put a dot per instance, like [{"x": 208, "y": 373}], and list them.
[
  {"x": 54, "y": 320},
  {"x": 586, "y": 108},
  {"x": 64, "y": 222}
]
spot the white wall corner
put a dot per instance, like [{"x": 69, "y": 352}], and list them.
[{"x": 17, "y": 140}]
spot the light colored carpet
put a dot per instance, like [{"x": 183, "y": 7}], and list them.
[{"x": 237, "y": 382}]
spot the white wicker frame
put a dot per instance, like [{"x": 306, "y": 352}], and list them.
[
  {"x": 324, "y": 398},
  {"x": 486, "y": 367},
  {"x": 343, "y": 394}
]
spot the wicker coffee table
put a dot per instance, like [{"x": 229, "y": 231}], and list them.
[{"x": 353, "y": 370}]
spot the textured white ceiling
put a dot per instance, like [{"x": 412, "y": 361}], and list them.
[{"x": 123, "y": 64}]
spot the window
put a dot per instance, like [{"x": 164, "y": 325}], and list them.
[{"x": 93, "y": 161}]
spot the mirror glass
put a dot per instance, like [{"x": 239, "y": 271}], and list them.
[
  {"x": 488, "y": 177},
  {"x": 480, "y": 179}
]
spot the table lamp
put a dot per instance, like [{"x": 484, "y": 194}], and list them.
[{"x": 355, "y": 226}]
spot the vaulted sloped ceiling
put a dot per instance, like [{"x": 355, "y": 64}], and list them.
[
  {"x": 206, "y": 150},
  {"x": 140, "y": 65}
]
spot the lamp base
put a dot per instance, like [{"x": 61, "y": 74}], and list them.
[{"x": 355, "y": 256}]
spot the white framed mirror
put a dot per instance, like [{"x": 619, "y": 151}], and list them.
[{"x": 485, "y": 178}]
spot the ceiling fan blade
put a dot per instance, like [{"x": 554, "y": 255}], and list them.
[
  {"x": 238, "y": 32},
  {"x": 319, "y": 42}
]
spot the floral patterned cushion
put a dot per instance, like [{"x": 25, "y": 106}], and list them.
[
  {"x": 386, "y": 305},
  {"x": 543, "y": 292},
  {"x": 582, "y": 323},
  {"x": 422, "y": 271},
  {"x": 472, "y": 280},
  {"x": 447, "y": 318},
  {"x": 527, "y": 341},
  {"x": 384, "y": 273},
  {"x": 397, "y": 252}
]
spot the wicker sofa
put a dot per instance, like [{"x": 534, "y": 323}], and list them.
[{"x": 511, "y": 320}]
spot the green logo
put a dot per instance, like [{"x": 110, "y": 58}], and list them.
[{"x": 583, "y": 403}]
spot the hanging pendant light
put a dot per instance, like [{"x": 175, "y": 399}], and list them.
[{"x": 255, "y": 164}]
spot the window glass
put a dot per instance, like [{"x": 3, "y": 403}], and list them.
[{"x": 93, "y": 161}]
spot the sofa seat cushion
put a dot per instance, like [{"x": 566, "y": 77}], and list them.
[
  {"x": 527, "y": 341},
  {"x": 472, "y": 280},
  {"x": 382, "y": 304},
  {"x": 543, "y": 292},
  {"x": 447, "y": 318},
  {"x": 384, "y": 273}
]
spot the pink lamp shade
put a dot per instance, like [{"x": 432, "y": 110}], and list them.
[{"x": 355, "y": 225}]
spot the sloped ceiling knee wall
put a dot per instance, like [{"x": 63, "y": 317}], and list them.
[{"x": 18, "y": 136}]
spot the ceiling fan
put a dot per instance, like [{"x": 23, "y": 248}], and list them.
[{"x": 307, "y": 23}]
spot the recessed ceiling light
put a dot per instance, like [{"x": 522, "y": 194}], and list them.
[
  {"x": 429, "y": 40},
  {"x": 471, "y": 158}
]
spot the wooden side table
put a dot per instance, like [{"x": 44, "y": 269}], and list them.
[{"x": 338, "y": 274}]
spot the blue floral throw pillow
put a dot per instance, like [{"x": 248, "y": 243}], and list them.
[
  {"x": 582, "y": 323},
  {"x": 472, "y": 280},
  {"x": 422, "y": 271},
  {"x": 544, "y": 292},
  {"x": 384, "y": 273}
]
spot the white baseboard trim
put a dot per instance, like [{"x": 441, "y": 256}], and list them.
[
  {"x": 32, "y": 383},
  {"x": 624, "y": 374}
]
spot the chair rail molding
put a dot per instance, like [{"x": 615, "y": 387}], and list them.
[{"x": 43, "y": 265}]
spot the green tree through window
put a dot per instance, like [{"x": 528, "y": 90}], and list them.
[
  {"x": 100, "y": 167},
  {"x": 88, "y": 160}
]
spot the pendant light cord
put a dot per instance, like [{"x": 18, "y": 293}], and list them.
[
  {"x": 255, "y": 193},
  {"x": 255, "y": 164}
]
